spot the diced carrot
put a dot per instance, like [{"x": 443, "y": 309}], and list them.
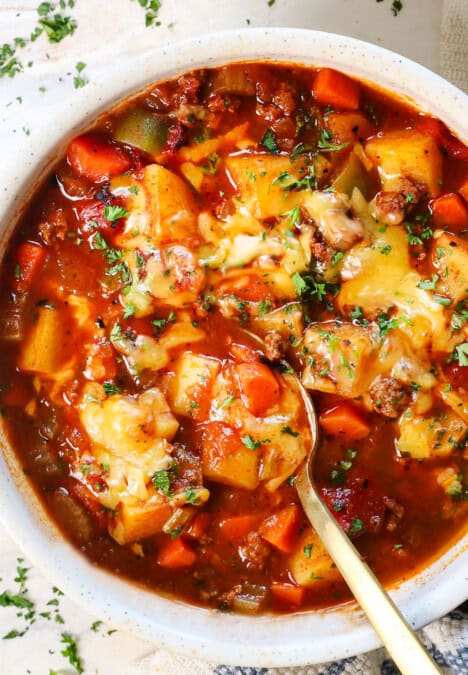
[
  {"x": 280, "y": 529},
  {"x": 259, "y": 387},
  {"x": 236, "y": 527},
  {"x": 335, "y": 89},
  {"x": 450, "y": 212},
  {"x": 96, "y": 159},
  {"x": 176, "y": 554},
  {"x": 435, "y": 128},
  {"x": 198, "y": 526},
  {"x": 345, "y": 421},
  {"x": 463, "y": 190},
  {"x": 29, "y": 259},
  {"x": 243, "y": 353},
  {"x": 288, "y": 594}
]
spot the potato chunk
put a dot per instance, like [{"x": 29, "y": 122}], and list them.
[
  {"x": 141, "y": 519},
  {"x": 436, "y": 435},
  {"x": 310, "y": 563},
  {"x": 406, "y": 154},
  {"x": 450, "y": 259},
  {"x": 258, "y": 180},
  {"x": 129, "y": 435},
  {"x": 162, "y": 210},
  {"x": 380, "y": 277},
  {"x": 339, "y": 358},
  {"x": 43, "y": 350},
  {"x": 189, "y": 389},
  {"x": 227, "y": 460}
]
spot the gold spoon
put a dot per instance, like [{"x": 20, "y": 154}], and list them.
[{"x": 401, "y": 641}]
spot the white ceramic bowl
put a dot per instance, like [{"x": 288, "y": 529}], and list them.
[{"x": 308, "y": 637}]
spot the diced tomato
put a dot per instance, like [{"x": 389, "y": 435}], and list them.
[
  {"x": 259, "y": 387},
  {"x": 345, "y": 421},
  {"x": 243, "y": 353},
  {"x": 237, "y": 527},
  {"x": 176, "y": 554},
  {"x": 198, "y": 526},
  {"x": 335, "y": 89},
  {"x": 435, "y": 128},
  {"x": 30, "y": 259},
  {"x": 249, "y": 288},
  {"x": 96, "y": 158},
  {"x": 450, "y": 212},
  {"x": 458, "y": 376},
  {"x": 358, "y": 507},
  {"x": 280, "y": 529},
  {"x": 287, "y": 594},
  {"x": 91, "y": 218}
]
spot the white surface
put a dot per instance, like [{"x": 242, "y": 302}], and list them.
[{"x": 95, "y": 43}]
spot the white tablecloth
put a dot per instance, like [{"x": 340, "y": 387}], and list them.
[{"x": 115, "y": 29}]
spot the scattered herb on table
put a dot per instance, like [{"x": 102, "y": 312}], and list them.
[{"x": 151, "y": 8}]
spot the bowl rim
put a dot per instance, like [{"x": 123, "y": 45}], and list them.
[{"x": 264, "y": 641}]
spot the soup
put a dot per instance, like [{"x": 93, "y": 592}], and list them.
[{"x": 298, "y": 205}]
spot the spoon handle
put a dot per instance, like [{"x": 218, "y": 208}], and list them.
[{"x": 401, "y": 642}]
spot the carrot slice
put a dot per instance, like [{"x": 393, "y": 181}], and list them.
[
  {"x": 198, "y": 526},
  {"x": 450, "y": 212},
  {"x": 96, "y": 159},
  {"x": 175, "y": 554},
  {"x": 259, "y": 387},
  {"x": 29, "y": 258},
  {"x": 336, "y": 89},
  {"x": 288, "y": 594},
  {"x": 237, "y": 527},
  {"x": 280, "y": 529},
  {"x": 346, "y": 421}
]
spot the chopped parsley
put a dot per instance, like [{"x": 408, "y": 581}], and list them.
[
  {"x": 307, "y": 286},
  {"x": 249, "y": 442},
  {"x": 227, "y": 401},
  {"x": 442, "y": 300},
  {"x": 191, "y": 496},
  {"x": 110, "y": 388},
  {"x": 356, "y": 526},
  {"x": 78, "y": 80},
  {"x": 429, "y": 284},
  {"x": 269, "y": 142},
  {"x": 71, "y": 652},
  {"x": 151, "y": 8},
  {"x": 308, "y": 550},
  {"x": 385, "y": 324},
  {"x": 289, "y": 431},
  {"x": 162, "y": 481},
  {"x": 113, "y": 213},
  {"x": 324, "y": 142},
  {"x": 462, "y": 354},
  {"x": 159, "y": 324}
]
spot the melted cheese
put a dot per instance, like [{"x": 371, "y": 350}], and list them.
[{"x": 131, "y": 436}]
